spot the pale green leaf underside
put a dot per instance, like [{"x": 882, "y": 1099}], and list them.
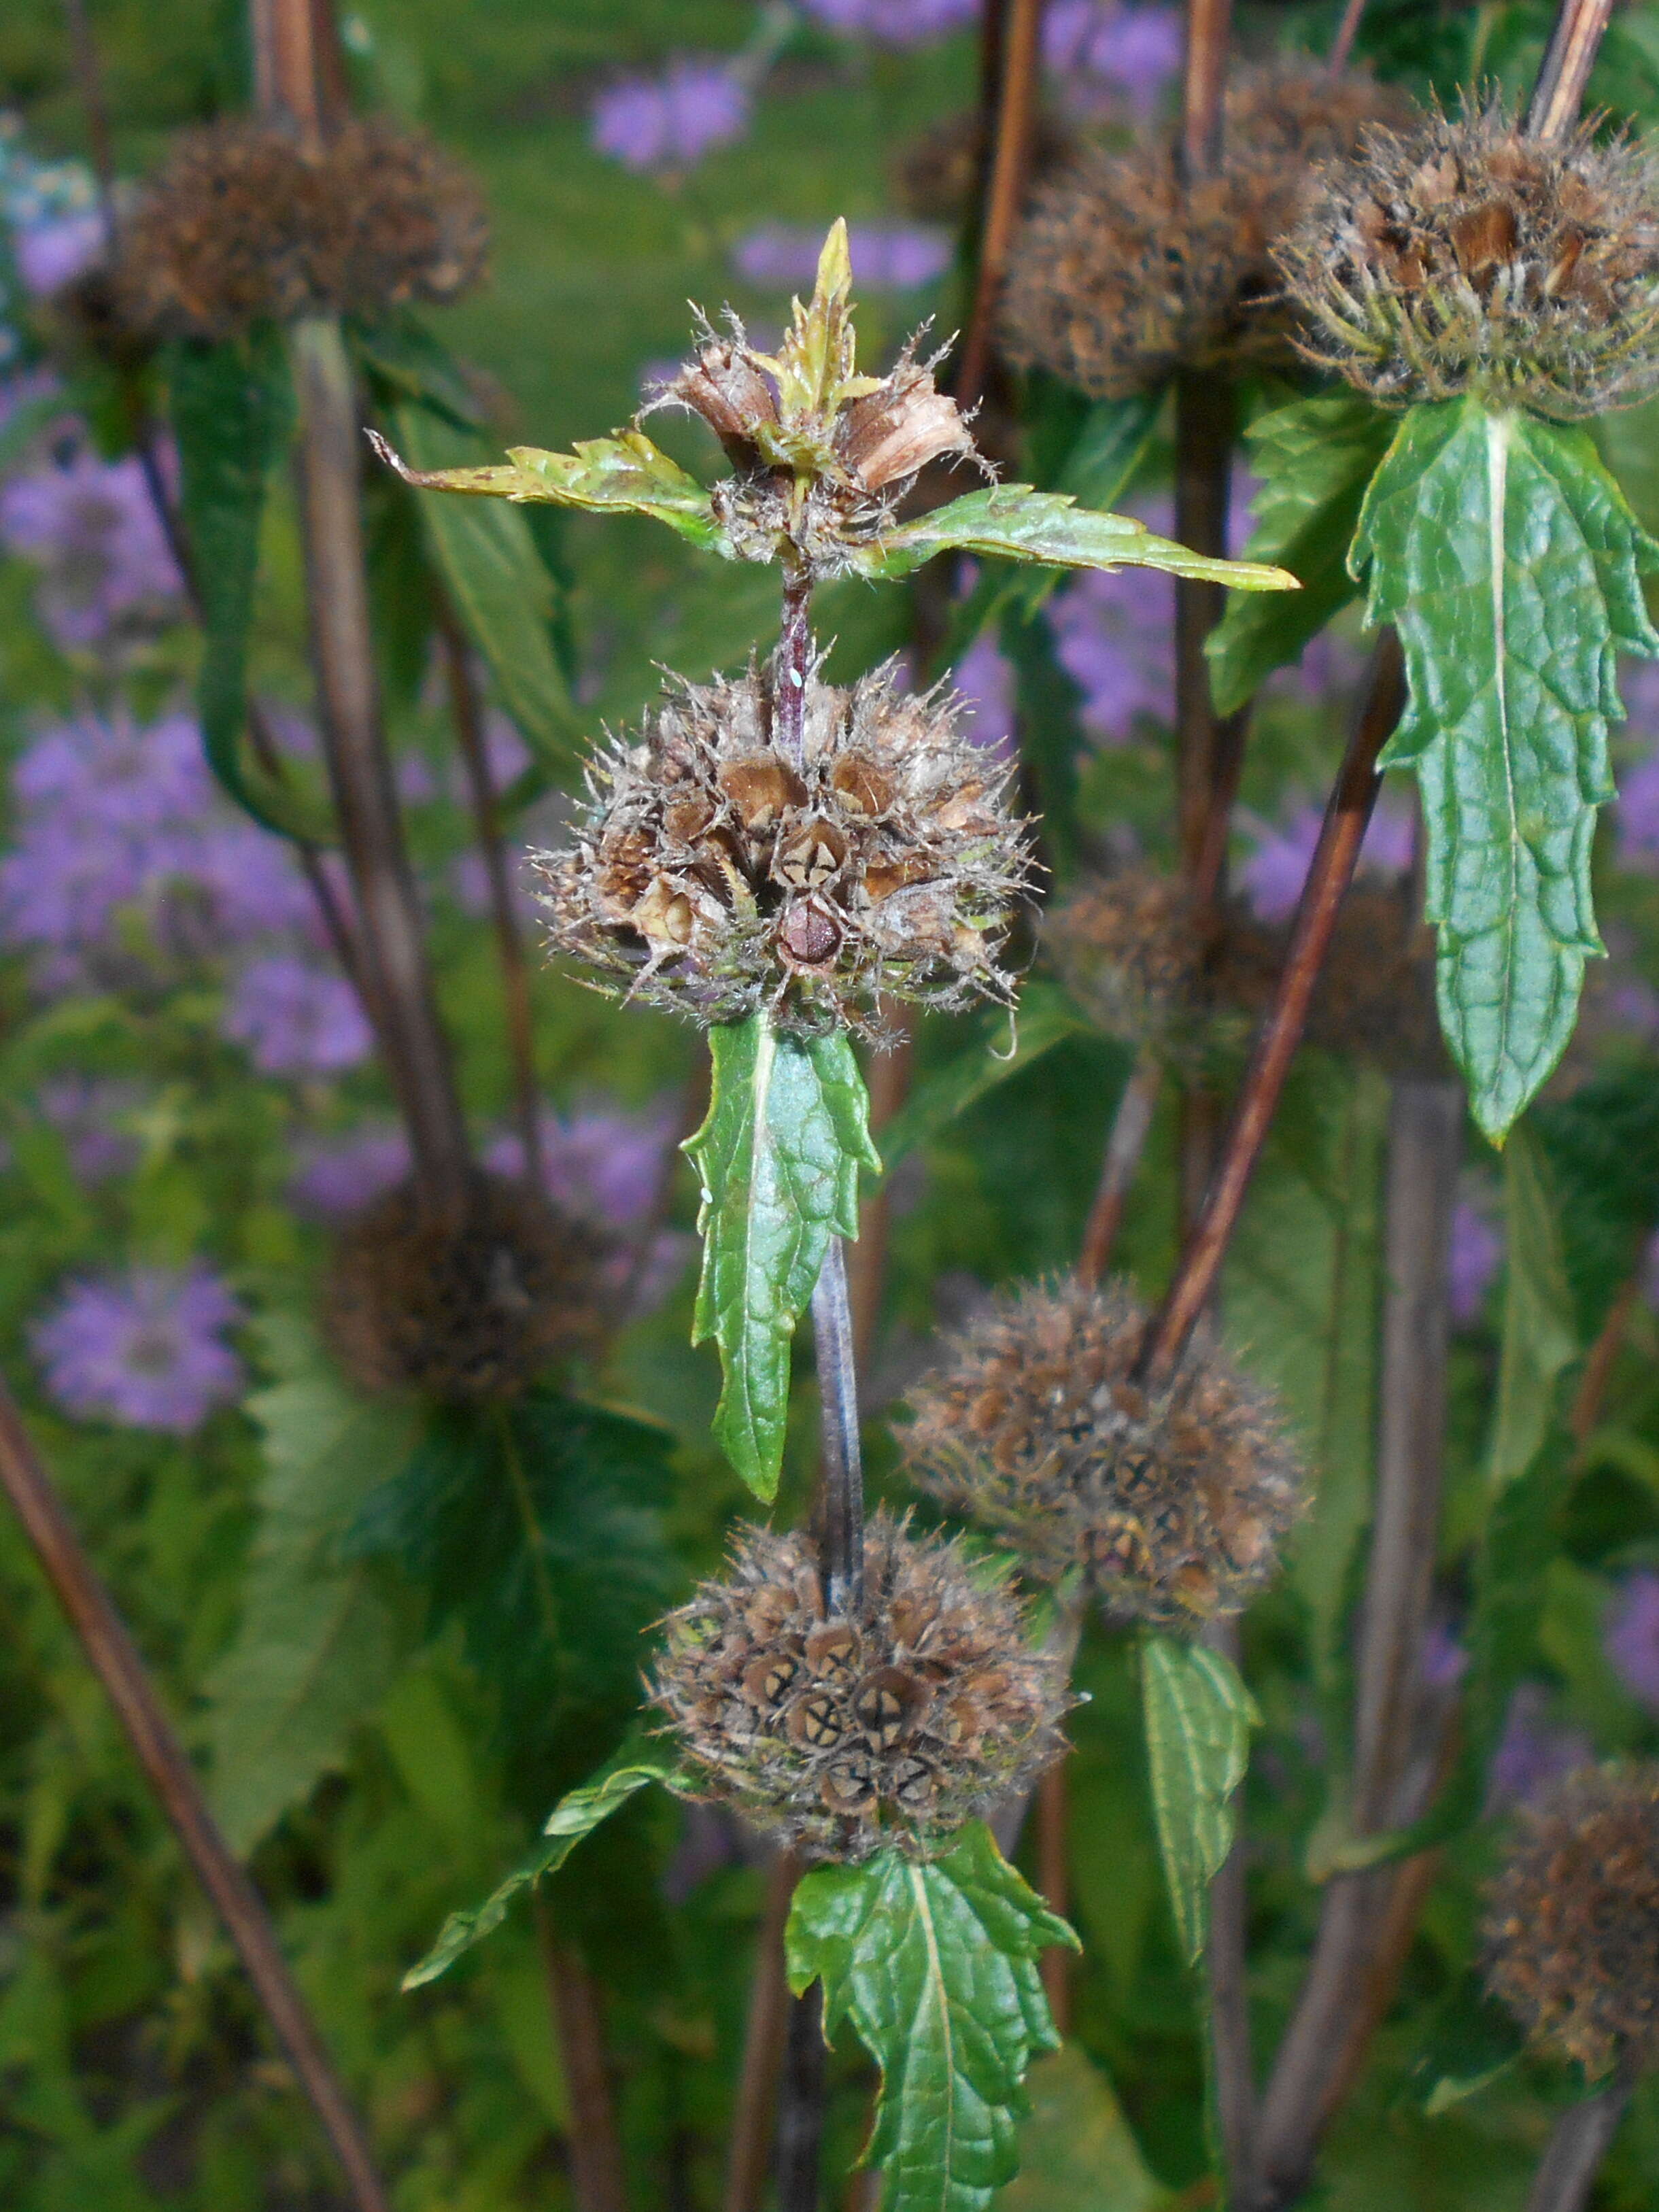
[
  {"x": 1198, "y": 1717},
  {"x": 1507, "y": 559},
  {"x": 1539, "y": 1338},
  {"x": 779, "y": 1154},
  {"x": 935, "y": 1964},
  {"x": 624, "y": 474}
]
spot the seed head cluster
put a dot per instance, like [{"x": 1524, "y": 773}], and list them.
[
  {"x": 719, "y": 877},
  {"x": 241, "y": 227},
  {"x": 1125, "y": 272},
  {"x": 893, "y": 1723},
  {"x": 463, "y": 1312},
  {"x": 1572, "y": 1922},
  {"x": 1463, "y": 257},
  {"x": 1375, "y": 999},
  {"x": 1173, "y": 1501},
  {"x": 1128, "y": 948}
]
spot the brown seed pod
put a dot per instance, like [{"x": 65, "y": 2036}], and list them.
[
  {"x": 1124, "y": 273},
  {"x": 1128, "y": 948},
  {"x": 718, "y": 877},
  {"x": 895, "y": 1725},
  {"x": 1571, "y": 1929},
  {"x": 241, "y": 227},
  {"x": 1174, "y": 1502},
  {"x": 1375, "y": 998},
  {"x": 1464, "y": 257},
  {"x": 477, "y": 1312}
]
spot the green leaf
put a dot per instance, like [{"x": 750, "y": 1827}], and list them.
[
  {"x": 1020, "y": 524},
  {"x": 577, "y": 1813},
  {"x": 315, "y": 1648},
  {"x": 624, "y": 474},
  {"x": 1471, "y": 2042},
  {"x": 1198, "y": 1718},
  {"x": 934, "y": 1962},
  {"x": 1314, "y": 459},
  {"x": 1046, "y": 1018},
  {"x": 1602, "y": 1146},
  {"x": 1539, "y": 1338},
  {"x": 401, "y": 355},
  {"x": 501, "y": 590},
  {"x": 1507, "y": 559},
  {"x": 1077, "y": 2150},
  {"x": 779, "y": 1154}
]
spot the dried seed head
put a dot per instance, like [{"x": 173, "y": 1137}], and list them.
[
  {"x": 1375, "y": 999},
  {"x": 718, "y": 877},
  {"x": 1128, "y": 948},
  {"x": 1573, "y": 1920},
  {"x": 936, "y": 176},
  {"x": 1174, "y": 1501},
  {"x": 1124, "y": 273},
  {"x": 1465, "y": 257},
  {"x": 893, "y": 1726},
  {"x": 241, "y": 227},
  {"x": 477, "y": 1312}
]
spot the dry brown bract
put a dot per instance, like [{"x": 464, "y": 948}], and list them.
[
  {"x": 1123, "y": 275},
  {"x": 1464, "y": 257},
  {"x": 718, "y": 878},
  {"x": 893, "y": 1725},
  {"x": 1572, "y": 1925},
  {"x": 1174, "y": 1502}
]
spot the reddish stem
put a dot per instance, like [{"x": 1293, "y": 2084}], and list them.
[
  {"x": 598, "y": 2181},
  {"x": 1204, "y": 84},
  {"x": 1568, "y": 60},
  {"x": 1019, "y": 53},
  {"x": 1053, "y": 1880},
  {"x": 1125, "y": 1143},
  {"x": 749, "y": 2153}
]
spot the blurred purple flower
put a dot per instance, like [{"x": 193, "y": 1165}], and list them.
[
  {"x": 986, "y": 682},
  {"x": 1272, "y": 877},
  {"x": 90, "y": 526},
  {"x": 886, "y": 256},
  {"x": 1637, "y": 814},
  {"x": 672, "y": 121},
  {"x": 256, "y": 887},
  {"x": 296, "y": 1019},
  {"x": 1477, "y": 1253},
  {"x": 1442, "y": 1661},
  {"x": 87, "y": 1112},
  {"x": 56, "y": 249},
  {"x": 334, "y": 1177},
  {"x": 1113, "y": 637},
  {"x": 469, "y": 885},
  {"x": 599, "y": 1164},
  {"x": 144, "y": 1348},
  {"x": 1135, "y": 52},
  {"x": 1533, "y": 1752},
  {"x": 893, "y": 22},
  {"x": 1631, "y": 1637}
]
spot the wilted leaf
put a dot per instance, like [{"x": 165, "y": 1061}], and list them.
[
  {"x": 1198, "y": 1718},
  {"x": 624, "y": 474}
]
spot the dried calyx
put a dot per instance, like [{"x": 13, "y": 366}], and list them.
[
  {"x": 241, "y": 227},
  {"x": 1129, "y": 948},
  {"x": 472, "y": 1310},
  {"x": 1464, "y": 257},
  {"x": 1125, "y": 272},
  {"x": 1572, "y": 1923},
  {"x": 717, "y": 876},
  {"x": 1174, "y": 1501},
  {"x": 894, "y": 1724}
]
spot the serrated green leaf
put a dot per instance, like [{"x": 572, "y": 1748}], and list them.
[
  {"x": 1198, "y": 1717},
  {"x": 623, "y": 474},
  {"x": 577, "y": 1813},
  {"x": 779, "y": 1154},
  {"x": 1508, "y": 562},
  {"x": 934, "y": 1962},
  {"x": 1314, "y": 459},
  {"x": 1016, "y": 523},
  {"x": 1539, "y": 1340},
  {"x": 1077, "y": 2150},
  {"x": 1046, "y": 1018}
]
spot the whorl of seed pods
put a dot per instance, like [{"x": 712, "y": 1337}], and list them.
[
  {"x": 893, "y": 1724},
  {"x": 717, "y": 877},
  {"x": 1173, "y": 1501},
  {"x": 1465, "y": 257},
  {"x": 1572, "y": 1922},
  {"x": 467, "y": 1312},
  {"x": 1125, "y": 273},
  {"x": 1128, "y": 948},
  {"x": 1375, "y": 999},
  {"x": 241, "y": 227}
]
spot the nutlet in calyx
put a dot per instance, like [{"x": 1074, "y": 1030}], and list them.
[
  {"x": 1174, "y": 1500},
  {"x": 894, "y": 1724}
]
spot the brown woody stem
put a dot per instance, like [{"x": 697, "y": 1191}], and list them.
[
  {"x": 1204, "y": 84},
  {"x": 748, "y": 2154},
  {"x": 1054, "y": 1882},
  {"x": 1583, "y": 2138},
  {"x": 1347, "y": 30},
  {"x": 598, "y": 2178},
  {"x": 1124, "y": 1142},
  {"x": 1568, "y": 60},
  {"x": 1019, "y": 59},
  {"x": 800, "y": 2104},
  {"x": 840, "y": 1498}
]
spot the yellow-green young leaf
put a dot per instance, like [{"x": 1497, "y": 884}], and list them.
[
  {"x": 577, "y": 1813},
  {"x": 934, "y": 1962},
  {"x": 623, "y": 474},
  {"x": 1019, "y": 524},
  {"x": 1538, "y": 1340},
  {"x": 1506, "y": 557},
  {"x": 779, "y": 1154},
  {"x": 1198, "y": 1717},
  {"x": 1314, "y": 459}
]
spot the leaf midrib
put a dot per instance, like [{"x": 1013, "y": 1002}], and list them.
[
  {"x": 936, "y": 1983},
  {"x": 1499, "y": 430}
]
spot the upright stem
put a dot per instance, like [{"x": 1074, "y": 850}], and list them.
[
  {"x": 1206, "y": 418},
  {"x": 800, "y": 2104},
  {"x": 748, "y": 2155},
  {"x": 1020, "y": 58},
  {"x": 1053, "y": 1882},
  {"x": 597, "y": 2180},
  {"x": 1124, "y": 1142},
  {"x": 115, "y": 1660},
  {"x": 841, "y": 1508},
  {"x": 792, "y": 668},
  {"x": 1203, "y": 84},
  {"x": 1347, "y": 30},
  {"x": 1583, "y": 2136},
  {"x": 1568, "y": 60}
]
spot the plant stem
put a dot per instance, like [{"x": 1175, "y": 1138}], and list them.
[
  {"x": 1583, "y": 2135},
  {"x": 1568, "y": 60},
  {"x": 748, "y": 2154},
  {"x": 1203, "y": 84},
  {"x": 115, "y": 1660},
  {"x": 1227, "y": 1991},
  {"x": 598, "y": 2182},
  {"x": 792, "y": 667},
  {"x": 1054, "y": 1882},
  {"x": 1598, "y": 1366},
  {"x": 1020, "y": 57},
  {"x": 800, "y": 2104},
  {"x": 89, "y": 83},
  {"x": 1124, "y": 1142},
  {"x": 1347, "y": 30},
  {"x": 840, "y": 1503}
]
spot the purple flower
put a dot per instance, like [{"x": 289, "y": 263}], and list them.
[
  {"x": 1134, "y": 52},
  {"x": 87, "y": 1112},
  {"x": 893, "y": 22},
  {"x": 1477, "y": 1253},
  {"x": 599, "y": 1164},
  {"x": 335, "y": 1177},
  {"x": 1113, "y": 638},
  {"x": 886, "y": 256},
  {"x": 985, "y": 681},
  {"x": 1533, "y": 1752},
  {"x": 90, "y": 526},
  {"x": 1631, "y": 1637},
  {"x": 145, "y": 1348},
  {"x": 56, "y": 250},
  {"x": 1272, "y": 877},
  {"x": 296, "y": 1019},
  {"x": 672, "y": 121},
  {"x": 1637, "y": 813},
  {"x": 1443, "y": 1663}
]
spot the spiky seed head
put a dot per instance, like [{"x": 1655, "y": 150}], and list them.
[
  {"x": 1174, "y": 1500},
  {"x": 241, "y": 227},
  {"x": 1465, "y": 257},
  {"x": 1124, "y": 272},
  {"x": 468, "y": 1311},
  {"x": 1571, "y": 1929},
  {"x": 893, "y": 1724},
  {"x": 717, "y": 877},
  {"x": 1375, "y": 999},
  {"x": 1128, "y": 948}
]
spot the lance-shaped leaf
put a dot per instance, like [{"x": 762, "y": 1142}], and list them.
[
  {"x": 1314, "y": 459},
  {"x": 779, "y": 1156},
  {"x": 623, "y": 474},
  {"x": 577, "y": 1813},
  {"x": 934, "y": 1962},
  {"x": 1508, "y": 562},
  {"x": 1020, "y": 524},
  {"x": 1198, "y": 1717}
]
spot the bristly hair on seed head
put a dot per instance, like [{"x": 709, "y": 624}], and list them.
[{"x": 1129, "y": 948}]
